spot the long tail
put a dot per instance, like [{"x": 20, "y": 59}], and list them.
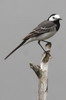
[{"x": 15, "y": 49}]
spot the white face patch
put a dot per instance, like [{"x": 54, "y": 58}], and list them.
[
  {"x": 57, "y": 16},
  {"x": 54, "y": 17}
]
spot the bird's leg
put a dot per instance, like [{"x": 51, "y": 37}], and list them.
[
  {"x": 48, "y": 45},
  {"x": 41, "y": 45},
  {"x": 47, "y": 42}
]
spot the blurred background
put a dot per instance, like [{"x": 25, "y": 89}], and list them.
[{"x": 17, "y": 19}]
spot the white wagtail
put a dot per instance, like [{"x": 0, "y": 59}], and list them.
[{"x": 43, "y": 31}]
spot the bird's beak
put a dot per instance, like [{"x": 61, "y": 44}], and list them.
[{"x": 60, "y": 19}]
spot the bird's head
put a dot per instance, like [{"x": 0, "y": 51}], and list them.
[{"x": 54, "y": 17}]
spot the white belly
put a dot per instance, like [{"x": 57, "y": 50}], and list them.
[
  {"x": 41, "y": 37},
  {"x": 45, "y": 35}
]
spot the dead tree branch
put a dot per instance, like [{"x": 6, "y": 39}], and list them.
[{"x": 42, "y": 73}]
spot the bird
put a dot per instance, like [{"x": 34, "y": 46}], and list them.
[{"x": 43, "y": 31}]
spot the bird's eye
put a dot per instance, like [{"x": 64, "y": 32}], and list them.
[{"x": 53, "y": 17}]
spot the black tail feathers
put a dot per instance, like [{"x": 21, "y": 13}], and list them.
[{"x": 15, "y": 49}]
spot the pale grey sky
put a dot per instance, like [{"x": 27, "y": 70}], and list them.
[{"x": 17, "y": 19}]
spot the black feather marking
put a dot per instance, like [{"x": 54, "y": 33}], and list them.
[{"x": 15, "y": 49}]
